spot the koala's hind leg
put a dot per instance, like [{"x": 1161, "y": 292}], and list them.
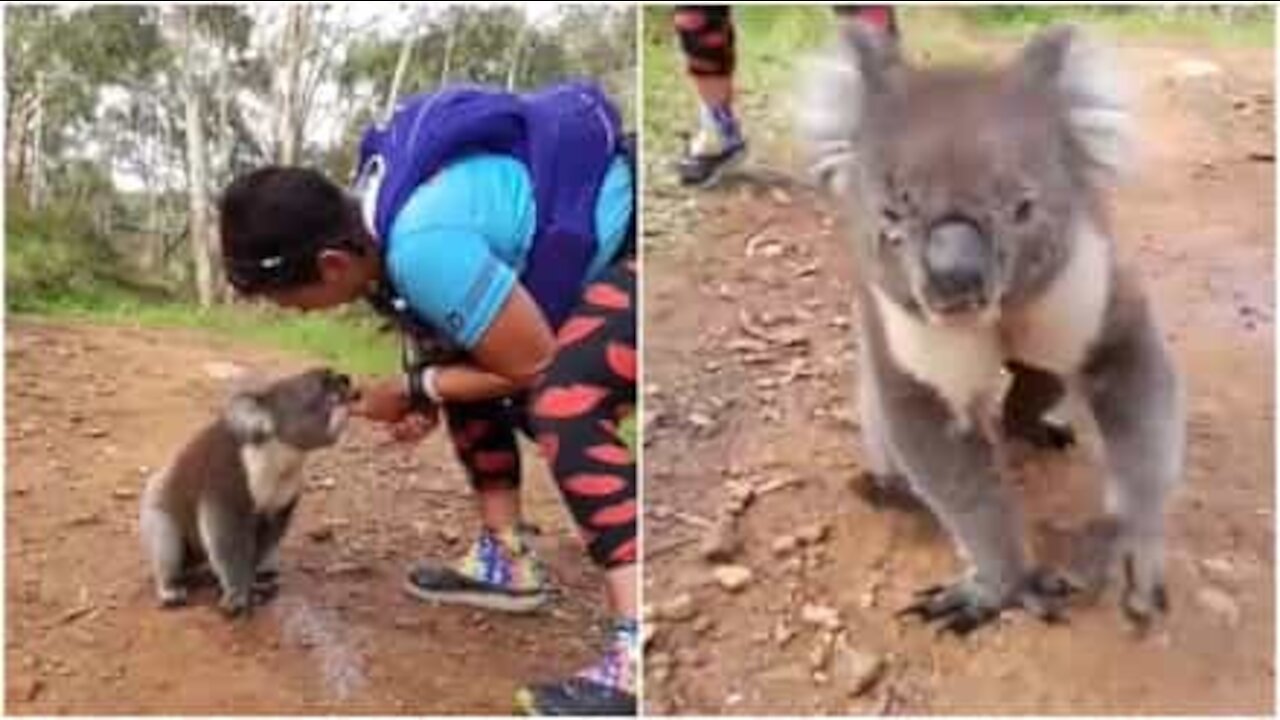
[
  {"x": 229, "y": 539},
  {"x": 270, "y": 530},
  {"x": 1034, "y": 393},
  {"x": 1134, "y": 392},
  {"x": 166, "y": 548}
]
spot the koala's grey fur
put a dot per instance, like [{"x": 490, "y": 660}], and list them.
[
  {"x": 975, "y": 201},
  {"x": 229, "y": 494}
]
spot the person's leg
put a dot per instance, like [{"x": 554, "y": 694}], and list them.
[
  {"x": 574, "y": 413},
  {"x": 707, "y": 41},
  {"x": 499, "y": 571}
]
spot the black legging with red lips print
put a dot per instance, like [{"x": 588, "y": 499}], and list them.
[{"x": 573, "y": 413}]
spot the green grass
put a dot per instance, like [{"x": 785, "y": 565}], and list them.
[{"x": 345, "y": 340}]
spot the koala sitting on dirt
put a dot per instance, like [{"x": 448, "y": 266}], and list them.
[
  {"x": 975, "y": 201},
  {"x": 229, "y": 494}
]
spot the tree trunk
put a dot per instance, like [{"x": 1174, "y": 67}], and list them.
[
  {"x": 16, "y": 134},
  {"x": 35, "y": 188},
  {"x": 448, "y": 50},
  {"x": 406, "y": 49},
  {"x": 197, "y": 175},
  {"x": 513, "y": 70},
  {"x": 293, "y": 48}
]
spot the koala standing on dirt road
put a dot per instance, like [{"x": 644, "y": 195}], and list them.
[
  {"x": 976, "y": 202},
  {"x": 229, "y": 494}
]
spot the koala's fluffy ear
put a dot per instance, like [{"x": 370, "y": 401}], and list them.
[
  {"x": 1060, "y": 59},
  {"x": 837, "y": 89},
  {"x": 249, "y": 419}
]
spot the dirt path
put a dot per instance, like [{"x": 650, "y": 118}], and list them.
[
  {"x": 90, "y": 409},
  {"x": 749, "y": 372}
]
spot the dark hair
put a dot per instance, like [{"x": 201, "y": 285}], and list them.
[{"x": 275, "y": 220}]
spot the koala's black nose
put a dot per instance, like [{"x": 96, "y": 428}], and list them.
[
  {"x": 957, "y": 259},
  {"x": 342, "y": 383}
]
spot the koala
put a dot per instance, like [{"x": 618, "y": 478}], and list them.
[
  {"x": 988, "y": 289},
  {"x": 229, "y": 494}
]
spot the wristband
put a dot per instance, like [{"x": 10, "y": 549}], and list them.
[
  {"x": 419, "y": 400},
  {"x": 428, "y": 379}
]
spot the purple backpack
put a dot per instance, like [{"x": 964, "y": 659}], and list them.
[{"x": 566, "y": 135}]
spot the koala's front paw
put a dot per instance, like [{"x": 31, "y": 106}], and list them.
[
  {"x": 236, "y": 604},
  {"x": 1043, "y": 434},
  {"x": 266, "y": 585},
  {"x": 967, "y": 605},
  {"x": 172, "y": 596},
  {"x": 1143, "y": 596},
  {"x": 887, "y": 492}
]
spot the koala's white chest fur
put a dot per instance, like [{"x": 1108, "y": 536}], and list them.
[
  {"x": 963, "y": 363},
  {"x": 274, "y": 472}
]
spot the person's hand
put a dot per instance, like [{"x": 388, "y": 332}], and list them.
[
  {"x": 415, "y": 425},
  {"x": 383, "y": 401}
]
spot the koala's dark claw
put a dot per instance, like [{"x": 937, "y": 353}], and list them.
[
  {"x": 1139, "y": 607},
  {"x": 957, "y": 607},
  {"x": 967, "y": 620},
  {"x": 962, "y": 608},
  {"x": 1047, "y": 435},
  {"x": 1161, "y": 599},
  {"x": 886, "y": 493},
  {"x": 1057, "y": 437},
  {"x": 1045, "y": 593},
  {"x": 263, "y": 593},
  {"x": 237, "y": 607}
]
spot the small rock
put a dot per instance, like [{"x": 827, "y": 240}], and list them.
[
  {"x": 28, "y": 688},
  {"x": 733, "y": 507},
  {"x": 783, "y": 634},
  {"x": 820, "y": 616},
  {"x": 784, "y": 545},
  {"x": 821, "y": 678},
  {"x": 223, "y": 370},
  {"x": 450, "y": 534},
  {"x": 321, "y": 534},
  {"x": 324, "y": 483},
  {"x": 703, "y": 624},
  {"x": 813, "y": 534},
  {"x": 691, "y": 658},
  {"x": 648, "y": 634},
  {"x": 96, "y": 432},
  {"x": 678, "y": 609},
  {"x": 855, "y": 670},
  {"x": 348, "y": 569},
  {"x": 122, "y": 493},
  {"x": 1219, "y": 568},
  {"x": 1196, "y": 68},
  {"x": 722, "y": 543},
  {"x": 820, "y": 653},
  {"x": 90, "y": 518},
  {"x": 733, "y": 578},
  {"x": 701, "y": 421},
  {"x": 743, "y": 492},
  {"x": 1219, "y": 603},
  {"x": 406, "y": 622}
]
